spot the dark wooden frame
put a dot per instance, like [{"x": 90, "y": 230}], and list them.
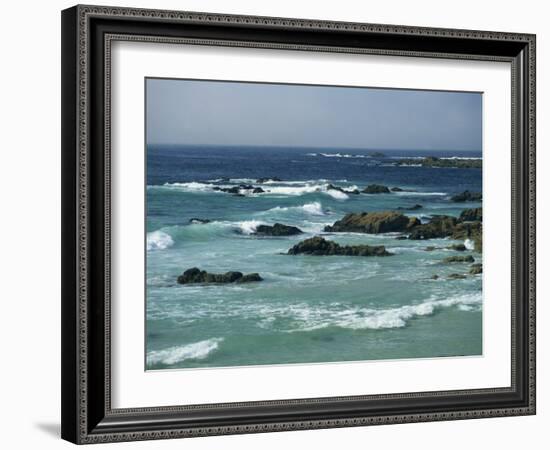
[{"x": 87, "y": 31}]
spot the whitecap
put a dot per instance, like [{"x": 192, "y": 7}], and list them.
[
  {"x": 159, "y": 240},
  {"x": 469, "y": 244},
  {"x": 176, "y": 354},
  {"x": 249, "y": 226}
]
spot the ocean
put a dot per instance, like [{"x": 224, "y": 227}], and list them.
[{"x": 308, "y": 309}]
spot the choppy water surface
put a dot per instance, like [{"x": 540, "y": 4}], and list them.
[{"x": 308, "y": 308}]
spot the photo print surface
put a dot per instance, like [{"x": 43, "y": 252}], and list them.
[{"x": 298, "y": 224}]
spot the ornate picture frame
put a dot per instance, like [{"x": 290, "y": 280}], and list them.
[{"x": 87, "y": 35}]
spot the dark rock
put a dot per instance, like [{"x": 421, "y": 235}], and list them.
[
  {"x": 267, "y": 179},
  {"x": 476, "y": 269},
  {"x": 467, "y": 196},
  {"x": 375, "y": 222},
  {"x": 196, "y": 220},
  {"x": 430, "y": 248},
  {"x": 341, "y": 189},
  {"x": 457, "y": 247},
  {"x": 432, "y": 161},
  {"x": 401, "y": 238},
  {"x": 321, "y": 247},
  {"x": 258, "y": 190},
  {"x": 376, "y": 189},
  {"x": 456, "y": 276},
  {"x": 409, "y": 208},
  {"x": 438, "y": 227},
  {"x": 471, "y": 215},
  {"x": 196, "y": 275},
  {"x": 469, "y": 230},
  {"x": 434, "y": 277},
  {"x": 396, "y": 189},
  {"x": 249, "y": 278},
  {"x": 277, "y": 229},
  {"x": 459, "y": 259},
  {"x": 377, "y": 155}
]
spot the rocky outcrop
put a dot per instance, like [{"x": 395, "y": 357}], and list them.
[
  {"x": 398, "y": 189},
  {"x": 321, "y": 247},
  {"x": 409, "y": 208},
  {"x": 438, "y": 227},
  {"x": 196, "y": 220},
  {"x": 268, "y": 179},
  {"x": 459, "y": 259},
  {"x": 376, "y": 189},
  {"x": 195, "y": 275},
  {"x": 377, "y": 155},
  {"x": 467, "y": 196},
  {"x": 471, "y": 215},
  {"x": 277, "y": 229},
  {"x": 374, "y": 222}
]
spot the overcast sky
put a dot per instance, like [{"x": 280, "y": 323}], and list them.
[{"x": 188, "y": 112}]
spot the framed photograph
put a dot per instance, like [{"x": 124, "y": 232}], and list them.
[{"x": 277, "y": 224}]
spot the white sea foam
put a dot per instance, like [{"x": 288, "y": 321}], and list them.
[
  {"x": 159, "y": 240},
  {"x": 249, "y": 226},
  {"x": 469, "y": 244},
  {"x": 313, "y": 208},
  {"x": 338, "y": 195},
  {"x": 176, "y": 354}
]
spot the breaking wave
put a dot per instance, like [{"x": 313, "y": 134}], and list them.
[
  {"x": 176, "y": 354},
  {"x": 159, "y": 240}
]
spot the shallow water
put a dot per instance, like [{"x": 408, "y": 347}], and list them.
[{"x": 308, "y": 308}]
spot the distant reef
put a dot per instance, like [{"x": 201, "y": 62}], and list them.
[
  {"x": 319, "y": 246},
  {"x": 195, "y": 275},
  {"x": 432, "y": 161}
]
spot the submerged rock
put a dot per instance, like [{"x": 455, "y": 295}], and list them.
[
  {"x": 476, "y": 269},
  {"x": 456, "y": 276},
  {"x": 434, "y": 277},
  {"x": 457, "y": 247},
  {"x": 376, "y": 189},
  {"x": 467, "y": 196},
  {"x": 471, "y": 215},
  {"x": 459, "y": 259},
  {"x": 321, "y": 247},
  {"x": 268, "y": 179},
  {"x": 277, "y": 229},
  {"x": 375, "y": 222},
  {"x": 409, "y": 208},
  {"x": 196, "y": 220},
  {"x": 196, "y": 275}
]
